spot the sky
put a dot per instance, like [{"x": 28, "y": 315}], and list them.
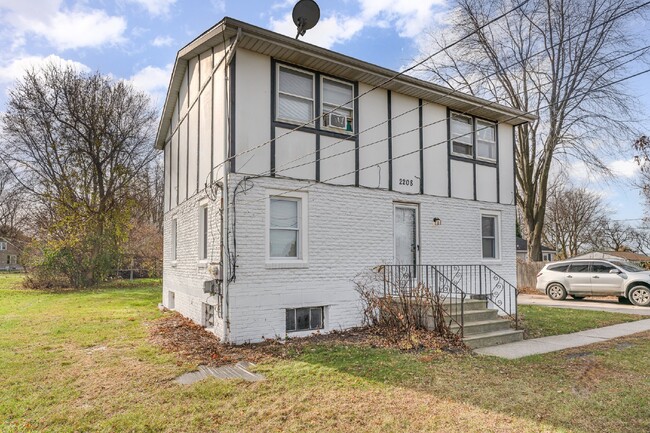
[{"x": 137, "y": 40}]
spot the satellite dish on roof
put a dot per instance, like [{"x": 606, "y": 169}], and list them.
[{"x": 306, "y": 14}]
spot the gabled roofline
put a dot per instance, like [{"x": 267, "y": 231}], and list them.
[{"x": 295, "y": 51}]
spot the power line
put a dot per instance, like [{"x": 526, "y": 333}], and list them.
[
  {"x": 375, "y": 87},
  {"x": 445, "y": 141},
  {"x": 411, "y": 130},
  {"x": 451, "y": 93}
]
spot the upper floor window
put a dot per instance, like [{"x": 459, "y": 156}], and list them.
[
  {"x": 3, "y": 246},
  {"x": 463, "y": 131},
  {"x": 338, "y": 105},
  {"x": 462, "y": 135},
  {"x": 295, "y": 95},
  {"x": 486, "y": 140},
  {"x": 296, "y": 99}
]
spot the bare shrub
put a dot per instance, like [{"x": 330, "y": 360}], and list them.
[{"x": 399, "y": 309}]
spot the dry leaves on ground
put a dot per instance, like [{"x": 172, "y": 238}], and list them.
[{"x": 180, "y": 335}]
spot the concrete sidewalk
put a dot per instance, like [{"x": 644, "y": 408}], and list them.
[{"x": 536, "y": 346}]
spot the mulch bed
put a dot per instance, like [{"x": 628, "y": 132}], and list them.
[{"x": 177, "y": 334}]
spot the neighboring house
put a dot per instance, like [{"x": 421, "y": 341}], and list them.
[
  {"x": 9, "y": 255},
  {"x": 616, "y": 255},
  {"x": 268, "y": 244},
  {"x": 548, "y": 253}
]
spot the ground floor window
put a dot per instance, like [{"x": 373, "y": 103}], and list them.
[
  {"x": 304, "y": 319},
  {"x": 208, "y": 316},
  {"x": 489, "y": 234}
]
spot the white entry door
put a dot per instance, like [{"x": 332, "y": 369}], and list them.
[{"x": 406, "y": 234}]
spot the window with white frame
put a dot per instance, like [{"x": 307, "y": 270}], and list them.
[
  {"x": 174, "y": 239},
  {"x": 203, "y": 232},
  {"x": 304, "y": 319},
  {"x": 337, "y": 97},
  {"x": 285, "y": 228},
  {"x": 295, "y": 95},
  {"x": 3, "y": 246},
  {"x": 489, "y": 236},
  {"x": 462, "y": 135},
  {"x": 13, "y": 260},
  {"x": 486, "y": 140}
]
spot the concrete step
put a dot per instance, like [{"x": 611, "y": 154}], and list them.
[
  {"x": 483, "y": 327},
  {"x": 478, "y": 315},
  {"x": 493, "y": 338},
  {"x": 468, "y": 305}
]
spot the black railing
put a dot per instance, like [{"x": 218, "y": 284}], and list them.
[
  {"x": 429, "y": 284},
  {"x": 452, "y": 284}
]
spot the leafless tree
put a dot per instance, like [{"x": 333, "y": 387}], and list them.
[
  {"x": 611, "y": 235},
  {"x": 13, "y": 204},
  {"x": 78, "y": 142},
  {"x": 572, "y": 215},
  {"x": 560, "y": 60}
]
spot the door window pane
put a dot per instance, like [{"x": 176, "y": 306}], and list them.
[{"x": 405, "y": 236}]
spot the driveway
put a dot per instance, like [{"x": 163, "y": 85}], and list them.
[{"x": 610, "y": 305}]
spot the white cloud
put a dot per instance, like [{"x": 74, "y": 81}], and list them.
[
  {"x": 156, "y": 7},
  {"x": 62, "y": 28},
  {"x": 154, "y": 81},
  {"x": 408, "y": 17},
  {"x": 624, "y": 168},
  {"x": 621, "y": 169},
  {"x": 17, "y": 67},
  {"x": 162, "y": 41},
  {"x": 329, "y": 31}
]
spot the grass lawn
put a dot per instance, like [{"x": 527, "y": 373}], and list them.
[
  {"x": 545, "y": 321},
  {"x": 81, "y": 361}
]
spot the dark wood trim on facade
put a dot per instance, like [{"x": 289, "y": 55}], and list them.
[
  {"x": 233, "y": 106},
  {"x": 273, "y": 115},
  {"x": 421, "y": 132},
  {"x": 449, "y": 155},
  {"x": 212, "y": 121},
  {"x": 356, "y": 134},
  {"x": 390, "y": 139}
]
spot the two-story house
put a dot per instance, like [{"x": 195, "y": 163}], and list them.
[
  {"x": 9, "y": 255},
  {"x": 290, "y": 169}
]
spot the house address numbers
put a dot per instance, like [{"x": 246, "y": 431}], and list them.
[{"x": 406, "y": 182}]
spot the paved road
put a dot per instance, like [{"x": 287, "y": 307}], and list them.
[{"x": 598, "y": 304}]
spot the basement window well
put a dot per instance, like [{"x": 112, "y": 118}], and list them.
[{"x": 304, "y": 319}]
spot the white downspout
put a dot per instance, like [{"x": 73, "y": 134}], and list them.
[{"x": 225, "y": 192}]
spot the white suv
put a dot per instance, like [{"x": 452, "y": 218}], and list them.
[{"x": 580, "y": 278}]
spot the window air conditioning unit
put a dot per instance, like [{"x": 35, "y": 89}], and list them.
[{"x": 334, "y": 120}]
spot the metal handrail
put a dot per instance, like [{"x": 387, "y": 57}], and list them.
[
  {"x": 404, "y": 279},
  {"x": 478, "y": 281}
]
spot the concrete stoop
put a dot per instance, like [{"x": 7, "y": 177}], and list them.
[{"x": 483, "y": 327}]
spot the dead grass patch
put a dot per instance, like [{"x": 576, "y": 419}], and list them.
[{"x": 179, "y": 335}]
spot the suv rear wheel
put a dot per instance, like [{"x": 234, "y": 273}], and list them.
[
  {"x": 640, "y": 295},
  {"x": 556, "y": 291}
]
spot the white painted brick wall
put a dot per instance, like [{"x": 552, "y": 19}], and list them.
[
  {"x": 185, "y": 276},
  {"x": 350, "y": 230}
]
